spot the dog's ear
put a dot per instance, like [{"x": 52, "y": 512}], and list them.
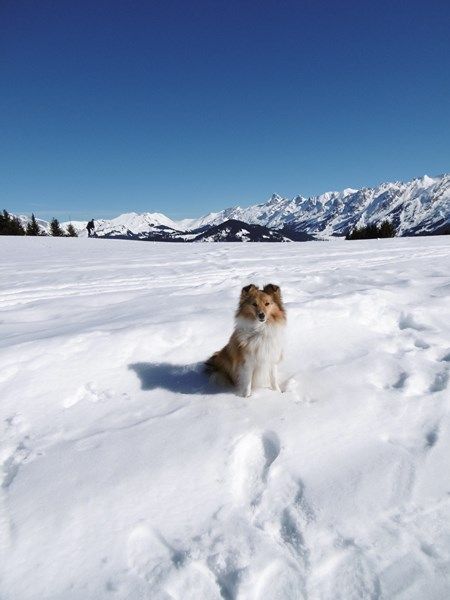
[
  {"x": 248, "y": 289},
  {"x": 271, "y": 288}
]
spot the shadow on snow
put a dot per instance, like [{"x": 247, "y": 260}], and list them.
[{"x": 181, "y": 379}]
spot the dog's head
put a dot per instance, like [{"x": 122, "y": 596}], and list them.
[{"x": 262, "y": 306}]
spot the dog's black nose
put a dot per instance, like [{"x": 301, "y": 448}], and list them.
[{"x": 261, "y": 316}]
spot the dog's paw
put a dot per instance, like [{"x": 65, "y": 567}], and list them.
[{"x": 245, "y": 392}]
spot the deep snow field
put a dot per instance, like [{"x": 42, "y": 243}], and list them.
[{"x": 125, "y": 475}]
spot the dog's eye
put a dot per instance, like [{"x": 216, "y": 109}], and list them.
[
  {"x": 267, "y": 303},
  {"x": 254, "y": 304}
]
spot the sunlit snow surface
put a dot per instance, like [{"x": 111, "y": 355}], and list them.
[{"x": 126, "y": 476}]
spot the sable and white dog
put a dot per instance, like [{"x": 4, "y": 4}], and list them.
[{"x": 254, "y": 350}]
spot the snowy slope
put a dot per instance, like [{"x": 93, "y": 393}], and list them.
[
  {"x": 125, "y": 475},
  {"x": 134, "y": 223},
  {"x": 126, "y": 225}
]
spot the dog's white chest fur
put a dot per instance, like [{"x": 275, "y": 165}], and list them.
[
  {"x": 262, "y": 348},
  {"x": 262, "y": 342}
]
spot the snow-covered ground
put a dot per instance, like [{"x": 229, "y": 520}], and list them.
[{"x": 125, "y": 475}]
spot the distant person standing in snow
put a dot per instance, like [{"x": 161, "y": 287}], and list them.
[{"x": 90, "y": 227}]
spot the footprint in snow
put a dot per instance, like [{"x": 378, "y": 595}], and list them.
[
  {"x": 284, "y": 514},
  {"x": 401, "y": 381},
  {"x": 349, "y": 576},
  {"x": 13, "y": 460},
  {"x": 148, "y": 555},
  {"x": 252, "y": 458},
  {"x": 408, "y": 321},
  {"x": 440, "y": 382},
  {"x": 168, "y": 572},
  {"x": 421, "y": 344},
  {"x": 192, "y": 582},
  {"x": 431, "y": 437},
  {"x": 88, "y": 393},
  {"x": 278, "y": 581}
]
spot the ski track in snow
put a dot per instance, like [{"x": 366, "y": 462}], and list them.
[{"x": 124, "y": 474}]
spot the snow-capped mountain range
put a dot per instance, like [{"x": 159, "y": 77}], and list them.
[{"x": 417, "y": 207}]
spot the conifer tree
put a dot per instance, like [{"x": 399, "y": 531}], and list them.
[
  {"x": 16, "y": 227},
  {"x": 4, "y": 220},
  {"x": 10, "y": 225},
  {"x": 55, "y": 228},
  {"x": 71, "y": 231},
  {"x": 32, "y": 227},
  {"x": 386, "y": 229}
]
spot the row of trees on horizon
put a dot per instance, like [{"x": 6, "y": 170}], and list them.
[
  {"x": 10, "y": 225},
  {"x": 372, "y": 231}
]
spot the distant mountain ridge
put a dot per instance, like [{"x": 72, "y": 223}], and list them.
[
  {"x": 417, "y": 207},
  {"x": 420, "y": 206},
  {"x": 233, "y": 230}
]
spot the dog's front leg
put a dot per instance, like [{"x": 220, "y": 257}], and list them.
[
  {"x": 245, "y": 380},
  {"x": 274, "y": 385}
]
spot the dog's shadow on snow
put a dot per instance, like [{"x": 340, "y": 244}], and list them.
[{"x": 182, "y": 379}]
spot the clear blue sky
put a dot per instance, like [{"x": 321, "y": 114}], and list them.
[{"x": 186, "y": 107}]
